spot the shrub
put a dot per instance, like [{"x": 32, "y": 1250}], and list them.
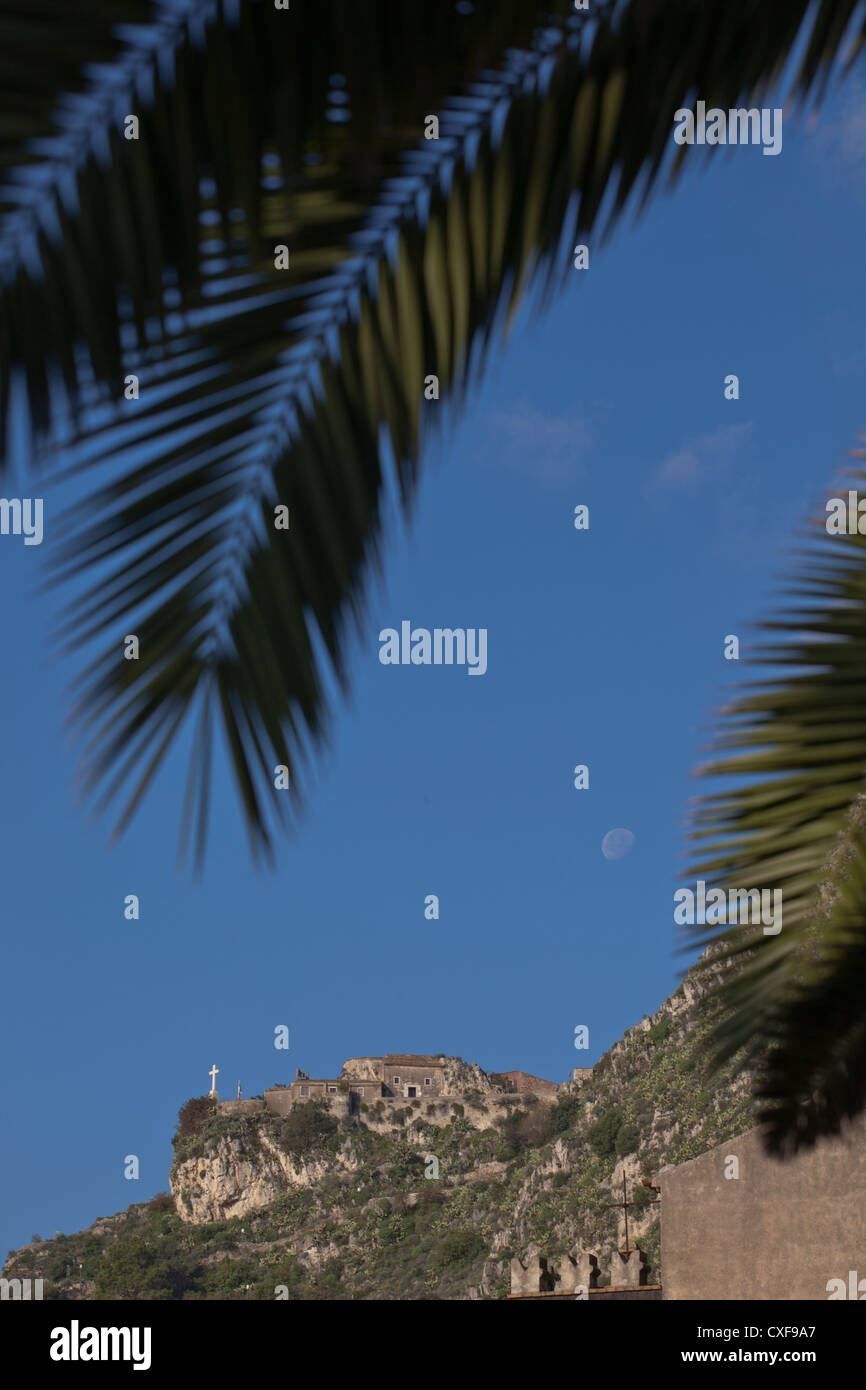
[
  {"x": 131, "y": 1270},
  {"x": 511, "y": 1132},
  {"x": 662, "y": 1029},
  {"x": 627, "y": 1140},
  {"x": 306, "y": 1126},
  {"x": 223, "y": 1240},
  {"x": 525, "y": 1129},
  {"x": 563, "y": 1114},
  {"x": 163, "y": 1201},
  {"x": 226, "y": 1278},
  {"x": 193, "y": 1116},
  {"x": 459, "y": 1248},
  {"x": 602, "y": 1134},
  {"x": 430, "y": 1193}
]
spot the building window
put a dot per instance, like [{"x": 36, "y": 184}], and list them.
[
  {"x": 332, "y": 1088},
  {"x": 305, "y": 1090},
  {"x": 396, "y": 1081},
  {"x": 426, "y": 1081}
]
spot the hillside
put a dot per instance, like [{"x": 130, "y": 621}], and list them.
[{"x": 313, "y": 1207}]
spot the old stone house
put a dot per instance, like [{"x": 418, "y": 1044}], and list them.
[
  {"x": 412, "y": 1075},
  {"x": 395, "y": 1076},
  {"x": 407, "y": 1075}
]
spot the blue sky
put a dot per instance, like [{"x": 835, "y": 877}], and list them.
[{"x": 604, "y": 648}]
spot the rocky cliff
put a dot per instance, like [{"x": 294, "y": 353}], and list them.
[
  {"x": 425, "y": 1199},
  {"x": 233, "y": 1179}
]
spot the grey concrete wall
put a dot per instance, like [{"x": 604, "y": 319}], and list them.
[
  {"x": 526, "y": 1084},
  {"x": 241, "y": 1107},
  {"x": 781, "y": 1230},
  {"x": 279, "y": 1102}
]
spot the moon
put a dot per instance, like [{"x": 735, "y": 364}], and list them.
[{"x": 617, "y": 843}]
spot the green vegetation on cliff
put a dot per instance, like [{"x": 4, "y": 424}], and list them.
[{"x": 374, "y": 1226}]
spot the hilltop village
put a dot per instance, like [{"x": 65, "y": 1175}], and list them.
[
  {"x": 397, "y": 1076},
  {"x": 416, "y": 1176}
]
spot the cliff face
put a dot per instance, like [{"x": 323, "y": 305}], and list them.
[
  {"x": 232, "y": 1180},
  {"x": 461, "y": 1077},
  {"x": 238, "y": 1164},
  {"x": 418, "y": 1199},
  {"x": 362, "y": 1068}
]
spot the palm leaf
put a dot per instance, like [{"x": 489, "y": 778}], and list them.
[
  {"x": 262, "y": 386},
  {"x": 794, "y": 822}
]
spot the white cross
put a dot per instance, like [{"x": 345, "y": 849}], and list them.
[{"x": 213, "y": 1074}]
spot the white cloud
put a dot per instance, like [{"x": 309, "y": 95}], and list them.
[
  {"x": 550, "y": 446},
  {"x": 700, "y": 459}
]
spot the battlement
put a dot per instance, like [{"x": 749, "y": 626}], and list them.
[{"x": 579, "y": 1276}]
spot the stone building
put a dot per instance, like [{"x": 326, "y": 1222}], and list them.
[
  {"x": 304, "y": 1087},
  {"x": 737, "y": 1224},
  {"x": 398, "y": 1074},
  {"x": 280, "y": 1099},
  {"x": 412, "y": 1075},
  {"x": 395, "y": 1076},
  {"x": 409, "y": 1076}
]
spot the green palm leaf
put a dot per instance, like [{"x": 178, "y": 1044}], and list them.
[
  {"x": 263, "y": 386},
  {"x": 794, "y": 821}
]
